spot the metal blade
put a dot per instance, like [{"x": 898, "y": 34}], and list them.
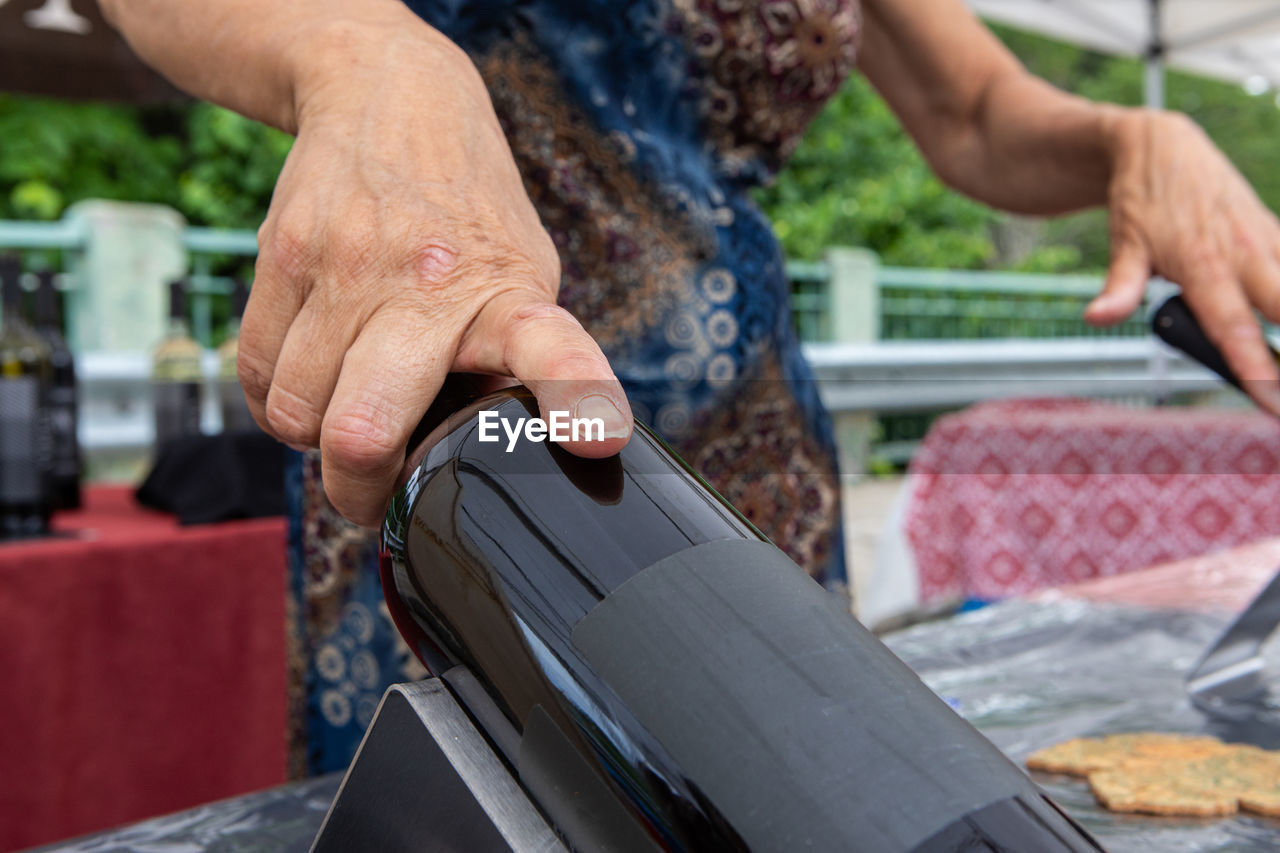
[{"x": 1228, "y": 679}]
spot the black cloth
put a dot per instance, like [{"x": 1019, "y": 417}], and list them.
[{"x": 217, "y": 477}]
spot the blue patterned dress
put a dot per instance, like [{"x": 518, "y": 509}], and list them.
[{"x": 639, "y": 127}]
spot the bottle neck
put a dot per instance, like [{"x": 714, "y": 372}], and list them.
[
  {"x": 13, "y": 319},
  {"x": 47, "y": 314},
  {"x": 12, "y": 302}
]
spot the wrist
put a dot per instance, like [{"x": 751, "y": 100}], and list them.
[
  {"x": 1129, "y": 131},
  {"x": 330, "y": 64}
]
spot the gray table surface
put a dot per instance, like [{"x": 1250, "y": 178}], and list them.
[{"x": 1027, "y": 674}]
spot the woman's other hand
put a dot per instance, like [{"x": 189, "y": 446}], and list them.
[
  {"x": 997, "y": 133},
  {"x": 1179, "y": 209}
]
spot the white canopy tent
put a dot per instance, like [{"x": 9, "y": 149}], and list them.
[{"x": 1235, "y": 40}]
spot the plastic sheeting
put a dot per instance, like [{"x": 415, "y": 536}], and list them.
[
  {"x": 1031, "y": 674},
  {"x": 1028, "y": 674},
  {"x": 278, "y": 820}
]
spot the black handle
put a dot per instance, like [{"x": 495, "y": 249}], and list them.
[{"x": 1174, "y": 324}]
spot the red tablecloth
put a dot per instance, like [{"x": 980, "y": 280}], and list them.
[
  {"x": 143, "y": 668},
  {"x": 1016, "y": 496}
]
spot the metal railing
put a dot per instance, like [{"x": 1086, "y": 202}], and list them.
[
  {"x": 933, "y": 304},
  {"x": 883, "y": 340},
  {"x": 911, "y": 304},
  {"x": 205, "y": 246},
  {"x": 48, "y": 245}
]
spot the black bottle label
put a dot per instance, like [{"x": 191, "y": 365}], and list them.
[
  {"x": 235, "y": 410},
  {"x": 62, "y": 431},
  {"x": 23, "y": 453},
  {"x": 177, "y": 410}
]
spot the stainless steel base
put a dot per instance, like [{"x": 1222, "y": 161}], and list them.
[{"x": 425, "y": 779}]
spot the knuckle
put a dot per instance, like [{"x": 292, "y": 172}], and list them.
[
  {"x": 286, "y": 249},
  {"x": 539, "y": 312},
  {"x": 352, "y": 509},
  {"x": 576, "y": 362},
  {"x": 292, "y": 417},
  {"x": 1249, "y": 241},
  {"x": 435, "y": 263},
  {"x": 266, "y": 231},
  {"x": 565, "y": 352},
  {"x": 546, "y": 261},
  {"x": 1203, "y": 257},
  {"x": 1228, "y": 325},
  {"x": 254, "y": 373},
  {"x": 362, "y": 440}
]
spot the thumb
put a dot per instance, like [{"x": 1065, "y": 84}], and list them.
[
  {"x": 545, "y": 347},
  {"x": 1126, "y": 282}
]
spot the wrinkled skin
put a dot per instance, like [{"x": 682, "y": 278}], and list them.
[
  {"x": 1179, "y": 209},
  {"x": 401, "y": 245}
]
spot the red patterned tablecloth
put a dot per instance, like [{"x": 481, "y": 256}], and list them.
[{"x": 1015, "y": 496}]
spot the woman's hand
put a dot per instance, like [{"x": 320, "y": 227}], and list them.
[
  {"x": 400, "y": 245},
  {"x": 1179, "y": 209},
  {"x": 1000, "y": 135}
]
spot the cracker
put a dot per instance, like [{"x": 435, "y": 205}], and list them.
[
  {"x": 1080, "y": 756},
  {"x": 1170, "y": 774},
  {"x": 1261, "y": 802},
  {"x": 1119, "y": 790}
]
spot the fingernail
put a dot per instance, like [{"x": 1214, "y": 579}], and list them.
[
  {"x": 600, "y": 406},
  {"x": 1101, "y": 303}
]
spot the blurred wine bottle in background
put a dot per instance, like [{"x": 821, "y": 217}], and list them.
[
  {"x": 176, "y": 374},
  {"x": 235, "y": 411},
  {"x": 61, "y": 403},
  {"x": 25, "y": 373}
]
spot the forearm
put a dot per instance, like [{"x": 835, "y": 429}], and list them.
[
  {"x": 987, "y": 127},
  {"x": 261, "y": 59},
  {"x": 1037, "y": 150}
]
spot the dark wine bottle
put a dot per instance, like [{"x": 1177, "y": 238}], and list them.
[
  {"x": 658, "y": 675},
  {"x": 62, "y": 406},
  {"x": 25, "y": 372},
  {"x": 176, "y": 375},
  {"x": 231, "y": 400}
]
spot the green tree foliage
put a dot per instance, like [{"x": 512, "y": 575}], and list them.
[
  {"x": 856, "y": 179},
  {"x": 217, "y": 168}
]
